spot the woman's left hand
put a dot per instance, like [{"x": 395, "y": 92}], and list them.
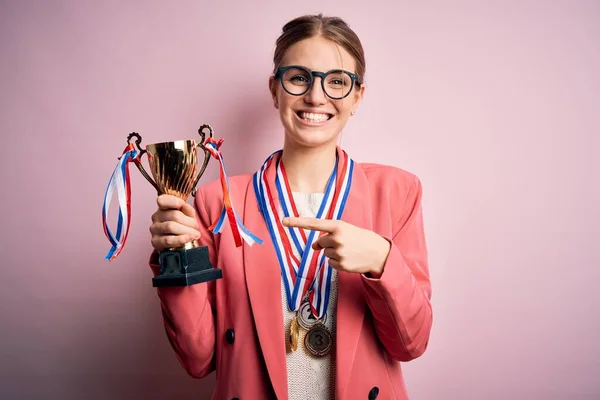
[{"x": 348, "y": 247}]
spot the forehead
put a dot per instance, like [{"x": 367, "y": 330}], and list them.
[{"x": 319, "y": 54}]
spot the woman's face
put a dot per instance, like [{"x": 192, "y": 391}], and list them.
[{"x": 313, "y": 119}]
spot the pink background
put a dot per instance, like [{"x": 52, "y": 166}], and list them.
[{"x": 494, "y": 104}]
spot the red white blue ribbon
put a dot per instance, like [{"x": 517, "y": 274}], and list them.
[
  {"x": 120, "y": 184},
  {"x": 311, "y": 273},
  {"x": 228, "y": 213}
]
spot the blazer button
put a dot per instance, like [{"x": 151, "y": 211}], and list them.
[
  {"x": 229, "y": 336},
  {"x": 374, "y": 393}
]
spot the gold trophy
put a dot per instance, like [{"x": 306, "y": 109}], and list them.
[{"x": 174, "y": 166}]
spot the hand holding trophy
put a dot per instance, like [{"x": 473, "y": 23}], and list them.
[{"x": 174, "y": 170}]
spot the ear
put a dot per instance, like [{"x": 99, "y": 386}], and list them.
[
  {"x": 358, "y": 96},
  {"x": 273, "y": 90}
]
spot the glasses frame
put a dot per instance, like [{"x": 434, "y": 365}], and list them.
[{"x": 355, "y": 79}]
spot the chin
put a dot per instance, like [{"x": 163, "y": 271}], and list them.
[{"x": 312, "y": 138}]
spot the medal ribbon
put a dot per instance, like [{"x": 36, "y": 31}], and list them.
[
  {"x": 120, "y": 183},
  {"x": 321, "y": 290},
  {"x": 310, "y": 273},
  {"x": 276, "y": 231},
  {"x": 228, "y": 213}
]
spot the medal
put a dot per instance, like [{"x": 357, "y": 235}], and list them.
[
  {"x": 294, "y": 334},
  {"x": 318, "y": 340},
  {"x": 306, "y": 319}
]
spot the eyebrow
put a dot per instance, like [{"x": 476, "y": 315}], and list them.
[{"x": 318, "y": 70}]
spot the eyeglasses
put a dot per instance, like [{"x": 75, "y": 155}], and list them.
[{"x": 297, "y": 80}]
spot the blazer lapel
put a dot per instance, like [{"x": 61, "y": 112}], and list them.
[
  {"x": 263, "y": 278},
  {"x": 351, "y": 305}
]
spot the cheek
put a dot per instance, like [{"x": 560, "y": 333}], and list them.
[
  {"x": 285, "y": 104},
  {"x": 343, "y": 108}
]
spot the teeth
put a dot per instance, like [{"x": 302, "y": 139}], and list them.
[{"x": 313, "y": 117}]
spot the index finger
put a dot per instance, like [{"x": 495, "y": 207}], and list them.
[
  {"x": 169, "y": 202},
  {"x": 315, "y": 224}
]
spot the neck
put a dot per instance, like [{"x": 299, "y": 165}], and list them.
[{"x": 308, "y": 169}]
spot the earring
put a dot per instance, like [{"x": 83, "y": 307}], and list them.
[{"x": 351, "y": 112}]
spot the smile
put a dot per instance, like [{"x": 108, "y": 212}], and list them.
[{"x": 317, "y": 118}]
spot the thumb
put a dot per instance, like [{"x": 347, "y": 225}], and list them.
[
  {"x": 317, "y": 245},
  {"x": 188, "y": 210}
]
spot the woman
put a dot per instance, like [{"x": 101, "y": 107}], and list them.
[{"x": 353, "y": 232}]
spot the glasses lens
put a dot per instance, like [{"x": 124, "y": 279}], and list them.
[
  {"x": 296, "y": 81},
  {"x": 337, "y": 84}
]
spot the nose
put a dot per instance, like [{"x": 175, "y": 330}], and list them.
[{"x": 315, "y": 94}]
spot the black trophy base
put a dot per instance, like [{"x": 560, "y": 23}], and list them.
[{"x": 185, "y": 268}]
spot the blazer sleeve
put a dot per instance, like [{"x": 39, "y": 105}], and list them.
[
  {"x": 399, "y": 299},
  {"x": 189, "y": 313}
]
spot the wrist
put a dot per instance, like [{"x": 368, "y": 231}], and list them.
[{"x": 376, "y": 270}]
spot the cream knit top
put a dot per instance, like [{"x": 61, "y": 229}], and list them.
[{"x": 309, "y": 377}]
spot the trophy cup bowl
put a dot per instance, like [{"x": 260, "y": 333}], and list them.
[{"x": 174, "y": 170}]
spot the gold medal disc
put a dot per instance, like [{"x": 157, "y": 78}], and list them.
[{"x": 294, "y": 334}]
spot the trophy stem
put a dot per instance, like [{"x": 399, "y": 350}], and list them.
[{"x": 188, "y": 246}]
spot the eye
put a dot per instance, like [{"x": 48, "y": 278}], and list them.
[
  {"x": 338, "y": 80},
  {"x": 299, "y": 79},
  {"x": 296, "y": 77}
]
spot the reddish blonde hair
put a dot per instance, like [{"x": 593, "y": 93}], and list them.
[{"x": 331, "y": 28}]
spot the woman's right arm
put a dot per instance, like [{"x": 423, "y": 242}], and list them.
[{"x": 188, "y": 312}]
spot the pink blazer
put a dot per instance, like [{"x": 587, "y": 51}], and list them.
[{"x": 234, "y": 326}]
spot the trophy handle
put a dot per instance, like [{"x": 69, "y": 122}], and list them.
[
  {"x": 138, "y": 160},
  {"x": 206, "y": 153}
]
